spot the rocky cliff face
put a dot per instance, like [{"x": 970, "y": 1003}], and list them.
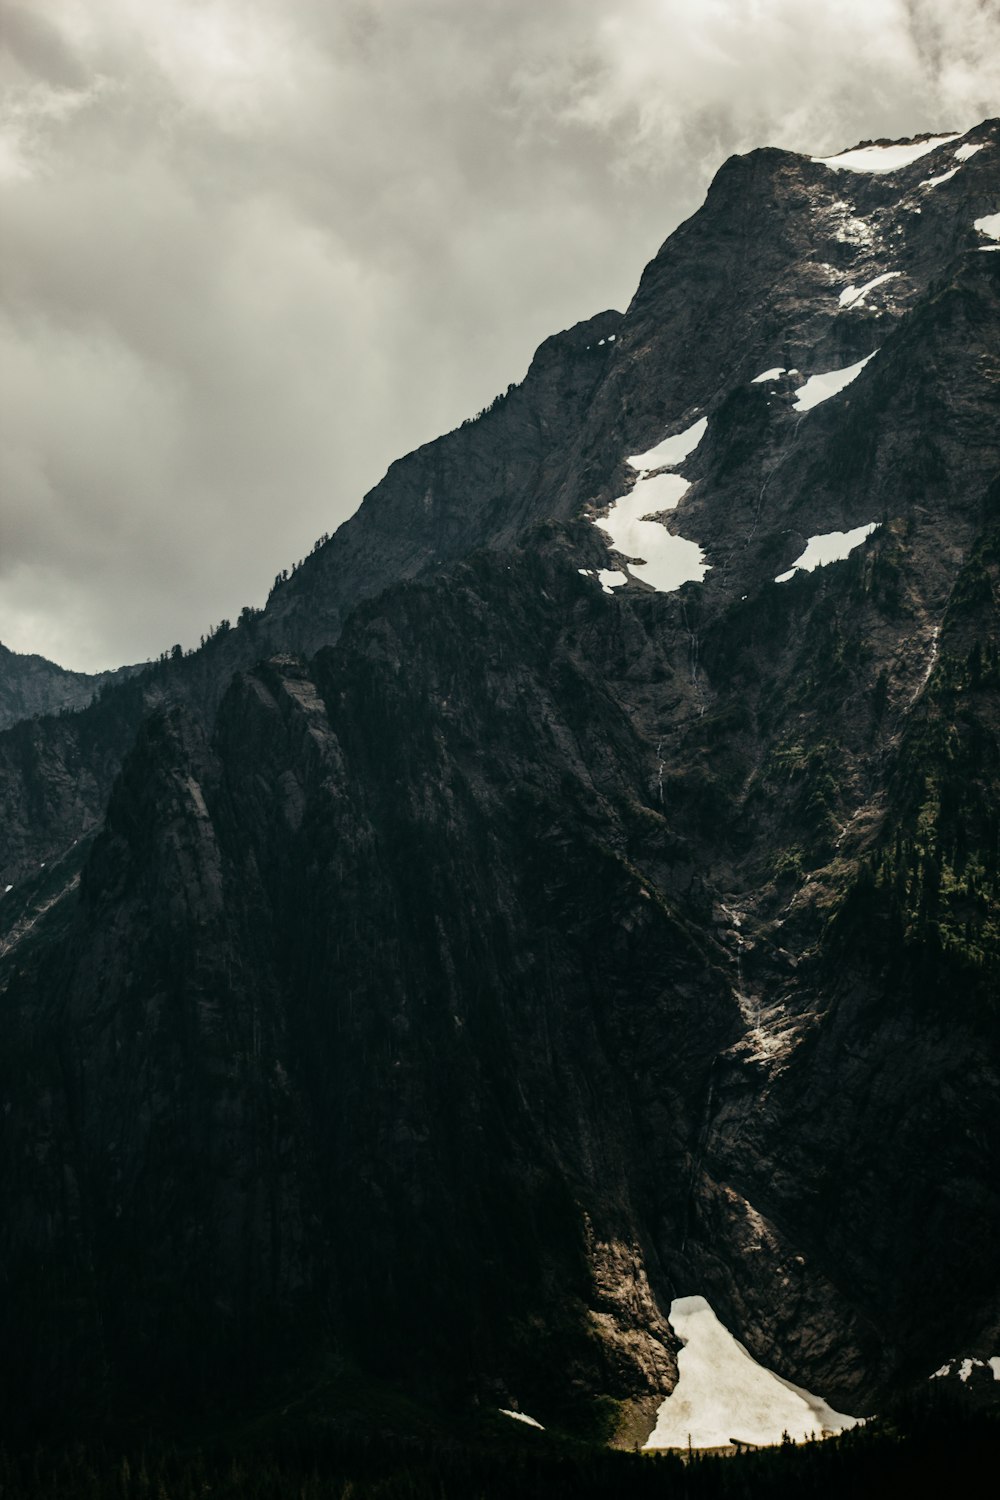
[
  {"x": 523, "y": 945},
  {"x": 30, "y": 686}
]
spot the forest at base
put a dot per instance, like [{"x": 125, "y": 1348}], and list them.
[{"x": 922, "y": 1446}]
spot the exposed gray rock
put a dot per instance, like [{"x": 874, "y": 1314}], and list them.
[
  {"x": 30, "y": 686},
  {"x": 502, "y": 958}
]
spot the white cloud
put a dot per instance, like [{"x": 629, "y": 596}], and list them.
[
  {"x": 255, "y": 251},
  {"x": 696, "y": 78}
]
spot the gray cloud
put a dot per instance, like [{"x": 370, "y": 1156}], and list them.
[
  {"x": 39, "y": 48},
  {"x": 253, "y": 253}
]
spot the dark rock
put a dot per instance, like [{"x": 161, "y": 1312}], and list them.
[
  {"x": 499, "y": 959},
  {"x": 30, "y": 686}
]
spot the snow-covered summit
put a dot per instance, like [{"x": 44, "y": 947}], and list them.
[{"x": 884, "y": 156}]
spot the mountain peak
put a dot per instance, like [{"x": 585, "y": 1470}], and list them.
[{"x": 573, "y": 898}]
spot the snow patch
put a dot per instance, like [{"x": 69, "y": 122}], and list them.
[
  {"x": 673, "y": 450},
  {"x": 723, "y": 1394},
  {"x": 849, "y": 228},
  {"x": 882, "y": 158},
  {"x": 609, "y": 578},
  {"x": 821, "y": 387},
  {"x": 519, "y": 1416},
  {"x": 937, "y": 181},
  {"x": 9, "y": 888},
  {"x": 829, "y": 547},
  {"x": 774, "y": 374},
  {"x": 668, "y": 560},
  {"x": 853, "y": 296},
  {"x": 990, "y": 226},
  {"x": 964, "y": 152},
  {"x": 662, "y": 560},
  {"x": 963, "y": 1368}
]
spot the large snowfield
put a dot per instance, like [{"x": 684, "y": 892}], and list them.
[
  {"x": 663, "y": 560},
  {"x": 819, "y": 388},
  {"x": 829, "y": 547},
  {"x": 883, "y": 158},
  {"x": 668, "y": 560},
  {"x": 673, "y": 450},
  {"x": 723, "y": 1395}
]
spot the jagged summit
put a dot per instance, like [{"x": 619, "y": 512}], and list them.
[
  {"x": 904, "y": 140},
  {"x": 884, "y": 155},
  {"x": 575, "y": 893}
]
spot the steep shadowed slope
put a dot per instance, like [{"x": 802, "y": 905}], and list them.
[{"x": 522, "y": 946}]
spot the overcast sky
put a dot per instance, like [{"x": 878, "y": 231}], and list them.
[{"x": 253, "y": 250}]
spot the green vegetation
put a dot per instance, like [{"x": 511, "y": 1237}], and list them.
[
  {"x": 930, "y": 894},
  {"x": 805, "y": 776}
]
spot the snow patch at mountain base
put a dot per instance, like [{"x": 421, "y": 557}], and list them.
[
  {"x": 989, "y": 225},
  {"x": 829, "y": 547},
  {"x": 774, "y": 374},
  {"x": 723, "y": 1395},
  {"x": 963, "y": 1368},
  {"x": 882, "y": 158},
  {"x": 820, "y": 388},
  {"x": 854, "y": 296},
  {"x": 673, "y": 450},
  {"x": 519, "y": 1416}
]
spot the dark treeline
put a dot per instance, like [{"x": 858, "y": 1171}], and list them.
[{"x": 918, "y": 1454}]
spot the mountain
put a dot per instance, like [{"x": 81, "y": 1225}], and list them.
[
  {"x": 31, "y": 686},
  {"x": 565, "y": 896}
]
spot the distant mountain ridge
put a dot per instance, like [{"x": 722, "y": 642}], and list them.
[
  {"x": 477, "y": 949},
  {"x": 30, "y": 686}
]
